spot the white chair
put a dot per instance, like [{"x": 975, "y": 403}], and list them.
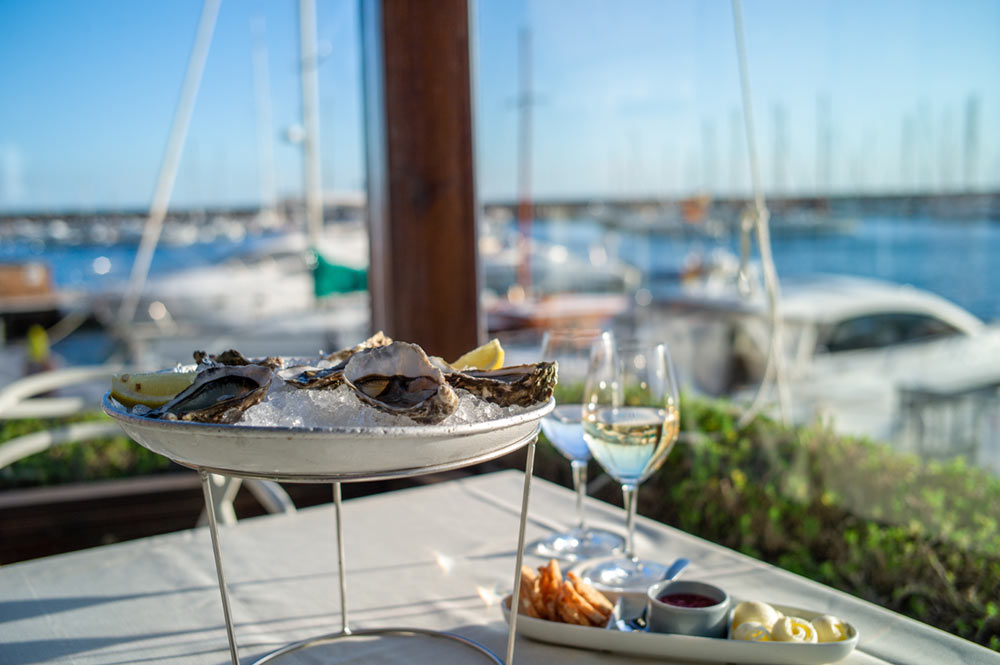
[{"x": 20, "y": 399}]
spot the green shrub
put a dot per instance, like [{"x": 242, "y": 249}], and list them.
[
  {"x": 114, "y": 457},
  {"x": 920, "y": 538}
]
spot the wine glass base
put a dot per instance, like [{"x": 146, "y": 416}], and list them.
[
  {"x": 624, "y": 574},
  {"x": 578, "y": 544}
]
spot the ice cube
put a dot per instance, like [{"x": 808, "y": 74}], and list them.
[{"x": 288, "y": 406}]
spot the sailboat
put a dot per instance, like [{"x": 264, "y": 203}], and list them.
[
  {"x": 267, "y": 300},
  {"x": 573, "y": 291}
]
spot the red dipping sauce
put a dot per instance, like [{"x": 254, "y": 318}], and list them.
[{"x": 687, "y": 600}]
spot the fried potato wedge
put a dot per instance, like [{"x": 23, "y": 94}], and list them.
[
  {"x": 592, "y": 595},
  {"x": 526, "y": 602},
  {"x": 571, "y": 598},
  {"x": 546, "y": 595}
]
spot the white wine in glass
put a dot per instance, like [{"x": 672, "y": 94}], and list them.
[
  {"x": 562, "y": 427},
  {"x": 633, "y": 442},
  {"x": 630, "y": 423}
]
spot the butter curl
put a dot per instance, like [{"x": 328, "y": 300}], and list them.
[
  {"x": 829, "y": 628},
  {"x": 749, "y": 610},
  {"x": 752, "y": 631},
  {"x": 793, "y": 629}
]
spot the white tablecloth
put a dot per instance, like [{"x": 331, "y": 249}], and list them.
[{"x": 438, "y": 556}]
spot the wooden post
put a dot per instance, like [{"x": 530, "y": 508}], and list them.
[{"x": 422, "y": 207}]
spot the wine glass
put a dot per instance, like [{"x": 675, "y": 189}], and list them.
[
  {"x": 630, "y": 423},
  {"x": 571, "y": 349}
]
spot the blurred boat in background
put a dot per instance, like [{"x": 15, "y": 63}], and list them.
[
  {"x": 872, "y": 358},
  {"x": 280, "y": 293},
  {"x": 271, "y": 278}
]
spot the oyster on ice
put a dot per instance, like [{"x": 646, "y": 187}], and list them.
[
  {"x": 520, "y": 385},
  {"x": 234, "y": 358},
  {"x": 331, "y": 377},
  {"x": 377, "y": 340},
  {"x": 218, "y": 395},
  {"x": 399, "y": 379},
  {"x": 315, "y": 379}
]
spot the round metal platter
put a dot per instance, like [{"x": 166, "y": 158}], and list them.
[{"x": 329, "y": 454}]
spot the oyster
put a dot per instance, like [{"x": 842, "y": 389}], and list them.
[
  {"x": 218, "y": 395},
  {"x": 314, "y": 378},
  {"x": 521, "y": 385},
  {"x": 398, "y": 378},
  {"x": 377, "y": 340},
  {"x": 234, "y": 358}
]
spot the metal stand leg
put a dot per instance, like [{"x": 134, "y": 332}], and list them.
[
  {"x": 345, "y": 630},
  {"x": 515, "y": 598},
  {"x": 345, "y": 627},
  {"x": 213, "y": 527}
]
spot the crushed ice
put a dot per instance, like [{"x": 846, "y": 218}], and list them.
[{"x": 288, "y": 406}]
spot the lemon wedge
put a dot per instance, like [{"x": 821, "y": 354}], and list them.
[
  {"x": 152, "y": 389},
  {"x": 487, "y": 356}
]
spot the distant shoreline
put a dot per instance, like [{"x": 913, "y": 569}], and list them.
[{"x": 955, "y": 204}]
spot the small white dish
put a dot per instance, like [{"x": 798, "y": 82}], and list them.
[{"x": 664, "y": 616}]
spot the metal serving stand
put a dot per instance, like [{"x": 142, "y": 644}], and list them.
[{"x": 339, "y": 455}]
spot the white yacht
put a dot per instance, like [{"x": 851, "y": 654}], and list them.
[{"x": 873, "y": 358}]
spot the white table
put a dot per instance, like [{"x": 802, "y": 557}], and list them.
[{"x": 438, "y": 557}]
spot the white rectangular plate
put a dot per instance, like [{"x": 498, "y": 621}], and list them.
[{"x": 686, "y": 647}]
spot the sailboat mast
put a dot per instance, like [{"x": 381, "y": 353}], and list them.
[
  {"x": 262, "y": 102},
  {"x": 525, "y": 212},
  {"x": 824, "y": 146},
  {"x": 780, "y": 160},
  {"x": 310, "y": 119},
  {"x": 971, "y": 152}
]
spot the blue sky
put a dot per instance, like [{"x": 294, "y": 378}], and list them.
[{"x": 633, "y": 98}]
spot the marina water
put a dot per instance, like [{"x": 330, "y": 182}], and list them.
[{"x": 948, "y": 257}]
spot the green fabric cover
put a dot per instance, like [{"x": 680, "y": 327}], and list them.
[{"x": 331, "y": 278}]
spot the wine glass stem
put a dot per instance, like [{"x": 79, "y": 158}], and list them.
[
  {"x": 629, "y": 492},
  {"x": 580, "y": 486}
]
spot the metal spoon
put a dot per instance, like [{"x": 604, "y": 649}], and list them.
[{"x": 675, "y": 569}]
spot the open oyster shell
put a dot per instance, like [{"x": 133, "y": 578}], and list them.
[
  {"x": 398, "y": 378},
  {"x": 234, "y": 358},
  {"x": 218, "y": 395},
  {"x": 377, "y": 340},
  {"x": 521, "y": 385},
  {"x": 330, "y": 378},
  {"x": 315, "y": 379}
]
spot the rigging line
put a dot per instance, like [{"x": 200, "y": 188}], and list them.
[
  {"x": 775, "y": 365},
  {"x": 171, "y": 160}
]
